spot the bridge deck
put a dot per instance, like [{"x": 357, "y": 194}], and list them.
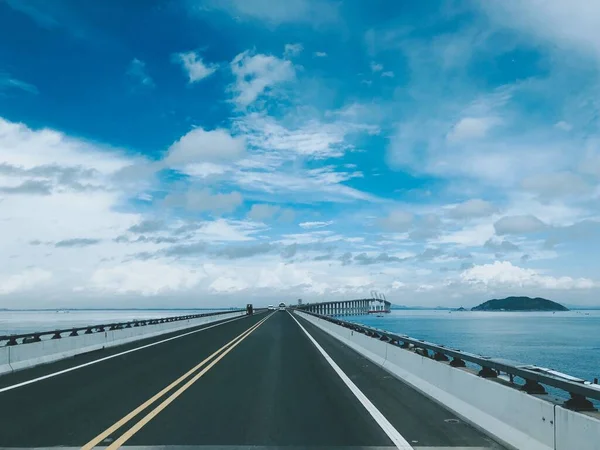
[{"x": 274, "y": 388}]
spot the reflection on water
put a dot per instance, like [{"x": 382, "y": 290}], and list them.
[{"x": 565, "y": 341}]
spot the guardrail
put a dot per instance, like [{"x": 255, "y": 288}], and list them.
[
  {"x": 580, "y": 391},
  {"x": 36, "y": 336}
]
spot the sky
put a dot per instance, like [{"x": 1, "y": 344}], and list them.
[{"x": 218, "y": 152}]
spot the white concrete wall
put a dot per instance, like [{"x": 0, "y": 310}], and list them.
[
  {"x": 516, "y": 419},
  {"x": 23, "y": 356},
  {"x": 4, "y": 360},
  {"x": 576, "y": 431}
]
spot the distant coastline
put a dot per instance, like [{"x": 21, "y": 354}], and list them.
[{"x": 523, "y": 304}]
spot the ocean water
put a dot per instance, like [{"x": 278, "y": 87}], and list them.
[
  {"x": 567, "y": 341},
  {"x": 18, "y": 322}
]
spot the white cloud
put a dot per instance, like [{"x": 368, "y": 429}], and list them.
[
  {"x": 470, "y": 236},
  {"x": 137, "y": 71},
  {"x": 263, "y": 212},
  {"x": 320, "y": 54},
  {"x": 566, "y": 26},
  {"x": 29, "y": 279},
  {"x": 205, "y": 200},
  {"x": 199, "y": 146},
  {"x": 505, "y": 275},
  {"x": 222, "y": 230},
  {"x": 311, "y": 225},
  {"x": 502, "y": 246},
  {"x": 194, "y": 66},
  {"x": 28, "y": 149},
  {"x": 257, "y": 75},
  {"x": 375, "y": 67},
  {"x": 310, "y": 138},
  {"x": 473, "y": 208},
  {"x": 301, "y": 185},
  {"x": 145, "y": 278},
  {"x": 207, "y": 170},
  {"x": 562, "y": 125},
  {"x": 84, "y": 195},
  {"x": 8, "y": 82},
  {"x": 471, "y": 128},
  {"x": 388, "y": 74},
  {"x": 556, "y": 185},
  {"x": 397, "y": 220},
  {"x": 292, "y": 50},
  {"x": 522, "y": 224}
]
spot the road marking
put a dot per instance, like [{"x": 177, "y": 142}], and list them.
[
  {"x": 385, "y": 424},
  {"x": 135, "y": 428},
  {"x": 257, "y": 447},
  {"x": 96, "y": 361}
]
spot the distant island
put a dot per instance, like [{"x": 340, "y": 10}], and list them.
[{"x": 520, "y": 304}]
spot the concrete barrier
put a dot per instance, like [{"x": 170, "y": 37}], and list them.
[
  {"x": 514, "y": 418},
  {"x": 370, "y": 347},
  {"x": 23, "y": 356},
  {"x": 5, "y": 360},
  {"x": 574, "y": 430}
]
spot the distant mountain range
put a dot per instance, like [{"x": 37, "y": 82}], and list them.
[{"x": 520, "y": 304}]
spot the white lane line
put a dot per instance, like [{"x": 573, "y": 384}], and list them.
[
  {"x": 96, "y": 361},
  {"x": 385, "y": 424}
]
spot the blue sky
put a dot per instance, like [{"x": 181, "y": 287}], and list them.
[{"x": 206, "y": 152}]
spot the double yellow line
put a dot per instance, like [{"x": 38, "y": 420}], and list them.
[{"x": 221, "y": 352}]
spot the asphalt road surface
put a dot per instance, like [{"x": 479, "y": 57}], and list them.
[{"x": 255, "y": 382}]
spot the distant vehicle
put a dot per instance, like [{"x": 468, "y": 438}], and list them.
[
  {"x": 271, "y": 308},
  {"x": 282, "y": 306},
  {"x": 249, "y": 309}
]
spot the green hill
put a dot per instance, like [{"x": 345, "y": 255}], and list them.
[{"x": 520, "y": 304}]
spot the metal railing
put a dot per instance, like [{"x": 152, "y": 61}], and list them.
[
  {"x": 36, "y": 336},
  {"x": 534, "y": 378}
]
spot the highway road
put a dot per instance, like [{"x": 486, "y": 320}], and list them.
[{"x": 262, "y": 382}]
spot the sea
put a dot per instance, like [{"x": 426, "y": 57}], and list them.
[{"x": 567, "y": 341}]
